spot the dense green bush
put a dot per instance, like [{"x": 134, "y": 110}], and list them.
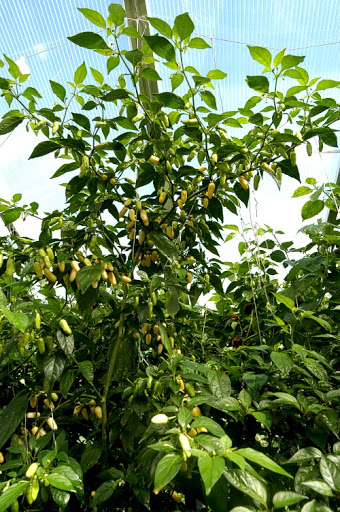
[{"x": 119, "y": 390}]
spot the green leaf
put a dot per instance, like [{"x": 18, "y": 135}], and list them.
[
  {"x": 316, "y": 369},
  {"x": 95, "y": 17},
  {"x": 216, "y": 74},
  {"x": 299, "y": 73},
  {"x": 211, "y": 469},
  {"x": 66, "y": 343},
  {"x": 263, "y": 417},
  {"x": 61, "y": 498},
  {"x": 19, "y": 320},
  {"x": 287, "y": 498},
  {"x": 72, "y": 471},
  {"x": 8, "y": 124},
  {"x": 90, "y": 456},
  {"x": 278, "y": 256},
  {"x": 184, "y": 417},
  {"x": 292, "y": 91},
  {"x": 44, "y": 148},
  {"x": 82, "y": 120},
  {"x": 167, "y": 469},
  {"x": 58, "y": 90},
  {"x": 161, "y": 26},
  {"x": 89, "y": 40},
  {"x": 319, "y": 486},
  {"x": 255, "y": 381},
  {"x": 80, "y": 74},
  {"x": 330, "y": 473},
  {"x": 11, "y": 416},
  {"x": 247, "y": 483},
  {"x": 284, "y": 300},
  {"x": 11, "y": 215},
  {"x": 241, "y": 509},
  {"x": 87, "y": 275},
  {"x": 262, "y": 460},
  {"x": 290, "y": 61},
  {"x": 312, "y": 208},
  {"x": 282, "y": 361},
  {"x": 170, "y": 100},
  {"x": 261, "y": 55},
  {"x": 66, "y": 382},
  {"x": 117, "y": 14},
  {"x": 4, "y": 84},
  {"x": 116, "y": 94},
  {"x": 184, "y": 26},
  {"x": 60, "y": 481},
  {"x": 302, "y": 191},
  {"x": 86, "y": 368},
  {"x": 258, "y": 83},
  {"x": 103, "y": 493},
  {"x": 286, "y": 399},
  {"x": 278, "y": 58},
  {"x": 54, "y": 367},
  {"x": 310, "y": 507},
  {"x": 12, "y": 493},
  {"x": 305, "y": 454},
  {"x": 132, "y": 32},
  {"x": 164, "y": 245},
  {"x": 150, "y": 74},
  {"x": 176, "y": 80},
  {"x": 330, "y": 139},
  {"x": 327, "y": 84},
  {"x": 209, "y": 424},
  {"x": 209, "y": 99},
  {"x": 134, "y": 56},
  {"x": 13, "y": 68},
  {"x": 198, "y": 42},
  {"x": 161, "y": 46},
  {"x": 219, "y": 383},
  {"x": 165, "y": 339},
  {"x": 112, "y": 63}
]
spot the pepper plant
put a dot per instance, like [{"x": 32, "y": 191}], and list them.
[{"x": 120, "y": 391}]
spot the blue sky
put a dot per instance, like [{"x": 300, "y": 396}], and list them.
[{"x": 30, "y": 27}]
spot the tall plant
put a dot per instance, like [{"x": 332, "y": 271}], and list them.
[{"x": 121, "y": 393}]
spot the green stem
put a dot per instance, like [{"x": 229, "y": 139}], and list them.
[{"x": 112, "y": 363}]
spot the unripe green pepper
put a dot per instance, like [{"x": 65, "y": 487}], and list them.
[
  {"x": 292, "y": 156},
  {"x": 35, "y": 488},
  {"x": 154, "y": 298},
  {"x": 15, "y": 506},
  {"x": 31, "y": 471},
  {"x": 158, "y": 388},
  {"x": 190, "y": 389},
  {"x": 49, "y": 342},
  {"x": 25, "y": 338},
  {"x": 37, "y": 320},
  {"x": 41, "y": 345},
  {"x": 309, "y": 149},
  {"x": 10, "y": 266},
  {"x": 50, "y": 253},
  {"x": 184, "y": 442},
  {"x": 149, "y": 382},
  {"x": 55, "y": 127},
  {"x": 256, "y": 182},
  {"x": 65, "y": 327}
]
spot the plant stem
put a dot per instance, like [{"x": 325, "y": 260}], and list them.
[{"x": 112, "y": 364}]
